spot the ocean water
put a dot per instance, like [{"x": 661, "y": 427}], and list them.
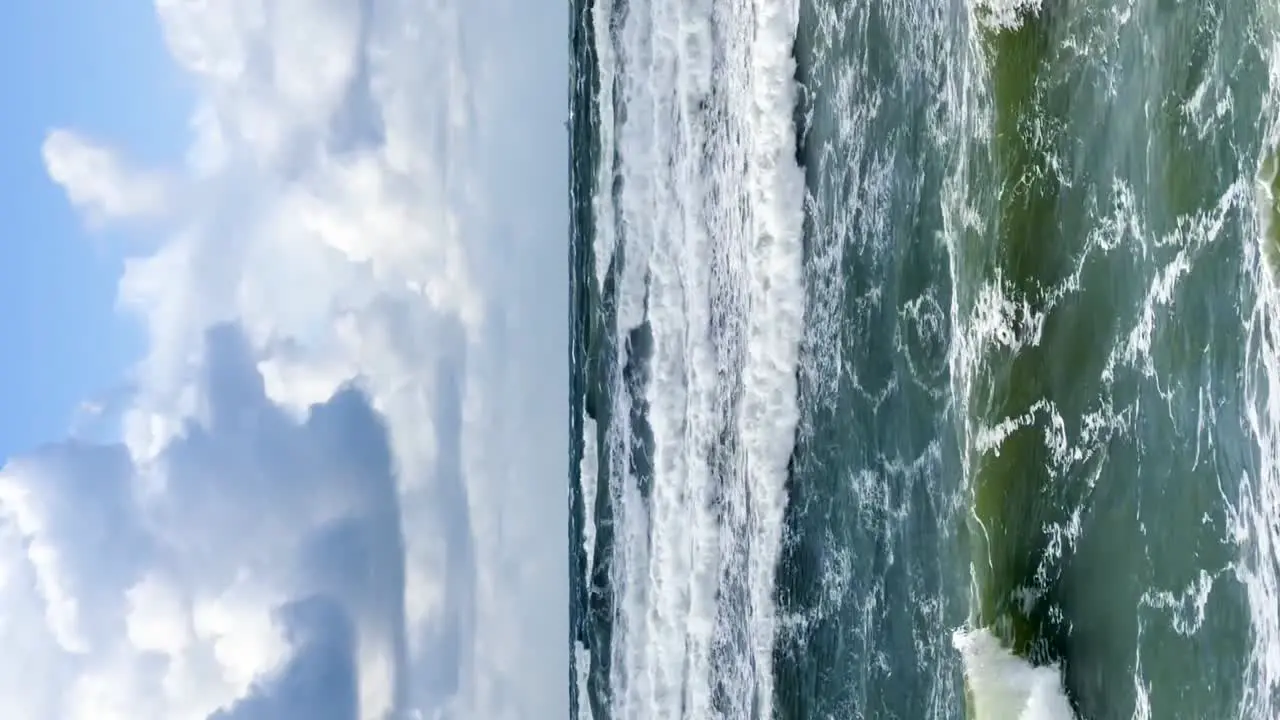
[{"x": 926, "y": 359}]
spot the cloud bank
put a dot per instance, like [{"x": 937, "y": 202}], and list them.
[{"x": 339, "y": 486}]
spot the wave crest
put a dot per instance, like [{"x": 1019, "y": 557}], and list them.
[{"x": 1003, "y": 686}]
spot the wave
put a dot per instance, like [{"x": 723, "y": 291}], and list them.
[
  {"x": 698, "y": 214},
  {"x": 1004, "y": 686},
  {"x": 1254, "y": 522}
]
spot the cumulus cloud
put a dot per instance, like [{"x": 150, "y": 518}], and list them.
[
  {"x": 317, "y": 682},
  {"x": 338, "y": 490},
  {"x": 98, "y": 183},
  {"x": 179, "y": 601}
]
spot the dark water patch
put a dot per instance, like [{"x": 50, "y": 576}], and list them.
[
  {"x": 867, "y": 589},
  {"x": 1117, "y": 228},
  {"x": 601, "y": 606},
  {"x": 636, "y": 376},
  {"x": 592, "y": 317},
  {"x": 1031, "y": 250}
]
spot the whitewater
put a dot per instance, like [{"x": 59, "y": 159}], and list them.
[
  {"x": 926, "y": 359},
  {"x": 698, "y": 238}
]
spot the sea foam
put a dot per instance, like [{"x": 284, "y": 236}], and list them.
[{"x": 1003, "y": 686}]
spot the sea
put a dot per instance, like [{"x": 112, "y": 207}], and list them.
[{"x": 925, "y": 359}]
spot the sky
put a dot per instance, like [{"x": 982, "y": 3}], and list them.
[
  {"x": 122, "y": 84},
  {"x": 307, "y": 257}
]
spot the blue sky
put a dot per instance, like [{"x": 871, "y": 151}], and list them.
[{"x": 76, "y": 63}]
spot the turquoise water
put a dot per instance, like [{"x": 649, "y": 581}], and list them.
[{"x": 972, "y": 370}]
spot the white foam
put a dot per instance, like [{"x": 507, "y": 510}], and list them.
[
  {"x": 604, "y": 241},
  {"x": 711, "y": 216},
  {"x": 1255, "y": 516},
  {"x": 1003, "y": 14},
  {"x": 588, "y": 477},
  {"x": 1187, "y": 608},
  {"x": 582, "y": 659},
  {"x": 770, "y": 408},
  {"x": 1003, "y": 686}
]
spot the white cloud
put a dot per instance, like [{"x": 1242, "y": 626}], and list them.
[
  {"x": 98, "y": 183},
  {"x": 375, "y": 194}
]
